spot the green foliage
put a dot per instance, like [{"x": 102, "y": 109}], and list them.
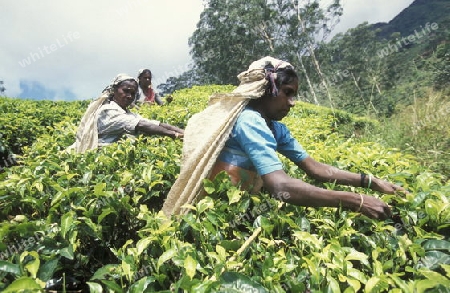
[
  {"x": 22, "y": 121},
  {"x": 368, "y": 70},
  {"x": 374, "y": 69},
  {"x": 354, "y": 76},
  {"x": 95, "y": 217},
  {"x": 441, "y": 64},
  {"x": 232, "y": 34},
  {"x": 421, "y": 129}
]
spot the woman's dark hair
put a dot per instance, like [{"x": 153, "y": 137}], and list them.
[
  {"x": 145, "y": 71},
  {"x": 284, "y": 75}
]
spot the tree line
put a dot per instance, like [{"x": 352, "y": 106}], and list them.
[{"x": 360, "y": 71}]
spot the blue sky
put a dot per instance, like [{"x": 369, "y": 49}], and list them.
[
  {"x": 37, "y": 91},
  {"x": 60, "y": 50}
]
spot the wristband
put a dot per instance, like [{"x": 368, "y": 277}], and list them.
[{"x": 363, "y": 176}]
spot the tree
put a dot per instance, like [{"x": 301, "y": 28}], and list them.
[
  {"x": 2, "y": 88},
  {"x": 185, "y": 80},
  {"x": 356, "y": 69},
  {"x": 441, "y": 63},
  {"x": 231, "y": 34},
  {"x": 226, "y": 40}
]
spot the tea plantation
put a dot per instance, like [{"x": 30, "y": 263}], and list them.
[{"x": 92, "y": 222}]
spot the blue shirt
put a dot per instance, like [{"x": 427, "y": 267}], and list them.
[{"x": 253, "y": 145}]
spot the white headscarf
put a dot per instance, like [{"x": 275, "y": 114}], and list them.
[{"x": 255, "y": 79}]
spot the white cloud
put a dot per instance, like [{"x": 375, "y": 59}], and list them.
[{"x": 113, "y": 37}]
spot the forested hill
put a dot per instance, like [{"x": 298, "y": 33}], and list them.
[
  {"x": 415, "y": 17},
  {"x": 372, "y": 69}
]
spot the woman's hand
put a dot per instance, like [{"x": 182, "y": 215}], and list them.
[
  {"x": 169, "y": 99},
  {"x": 178, "y": 135},
  {"x": 386, "y": 187},
  {"x": 374, "y": 208}
]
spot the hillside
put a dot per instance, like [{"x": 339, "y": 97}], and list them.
[
  {"x": 418, "y": 69},
  {"x": 415, "y": 17},
  {"x": 92, "y": 219}
]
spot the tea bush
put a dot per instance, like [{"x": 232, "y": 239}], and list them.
[
  {"x": 92, "y": 221},
  {"x": 421, "y": 129}
]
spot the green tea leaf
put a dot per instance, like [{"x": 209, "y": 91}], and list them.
[
  {"x": 333, "y": 285},
  {"x": 47, "y": 270},
  {"x": 376, "y": 284},
  {"x": 423, "y": 285},
  {"x": 167, "y": 255},
  {"x": 208, "y": 185},
  {"x": 142, "y": 244},
  {"x": 113, "y": 286},
  {"x": 205, "y": 204},
  {"x": 190, "y": 265},
  {"x": 105, "y": 212},
  {"x": 236, "y": 282},
  {"x": 23, "y": 283},
  {"x": 67, "y": 222},
  {"x": 8, "y": 267},
  {"x": 103, "y": 272},
  {"x": 126, "y": 177},
  {"x": 356, "y": 255},
  {"x": 67, "y": 252},
  {"x": 32, "y": 266},
  {"x": 433, "y": 259},
  {"x": 435, "y": 244},
  {"x": 94, "y": 287},
  {"x": 234, "y": 195},
  {"x": 141, "y": 285},
  {"x": 99, "y": 189}
]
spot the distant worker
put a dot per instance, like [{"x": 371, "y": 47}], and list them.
[
  {"x": 146, "y": 94},
  {"x": 108, "y": 118}
]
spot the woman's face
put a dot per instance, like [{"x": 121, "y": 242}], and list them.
[
  {"x": 276, "y": 108},
  {"x": 125, "y": 93},
  {"x": 145, "y": 80}
]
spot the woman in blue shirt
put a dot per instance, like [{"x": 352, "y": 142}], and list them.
[{"x": 250, "y": 154}]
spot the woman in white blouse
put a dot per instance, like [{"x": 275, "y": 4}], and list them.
[{"x": 108, "y": 118}]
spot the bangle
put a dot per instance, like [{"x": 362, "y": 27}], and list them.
[
  {"x": 361, "y": 204},
  {"x": 363, "y": 176},
  {"x": 370, "y": 181}
]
